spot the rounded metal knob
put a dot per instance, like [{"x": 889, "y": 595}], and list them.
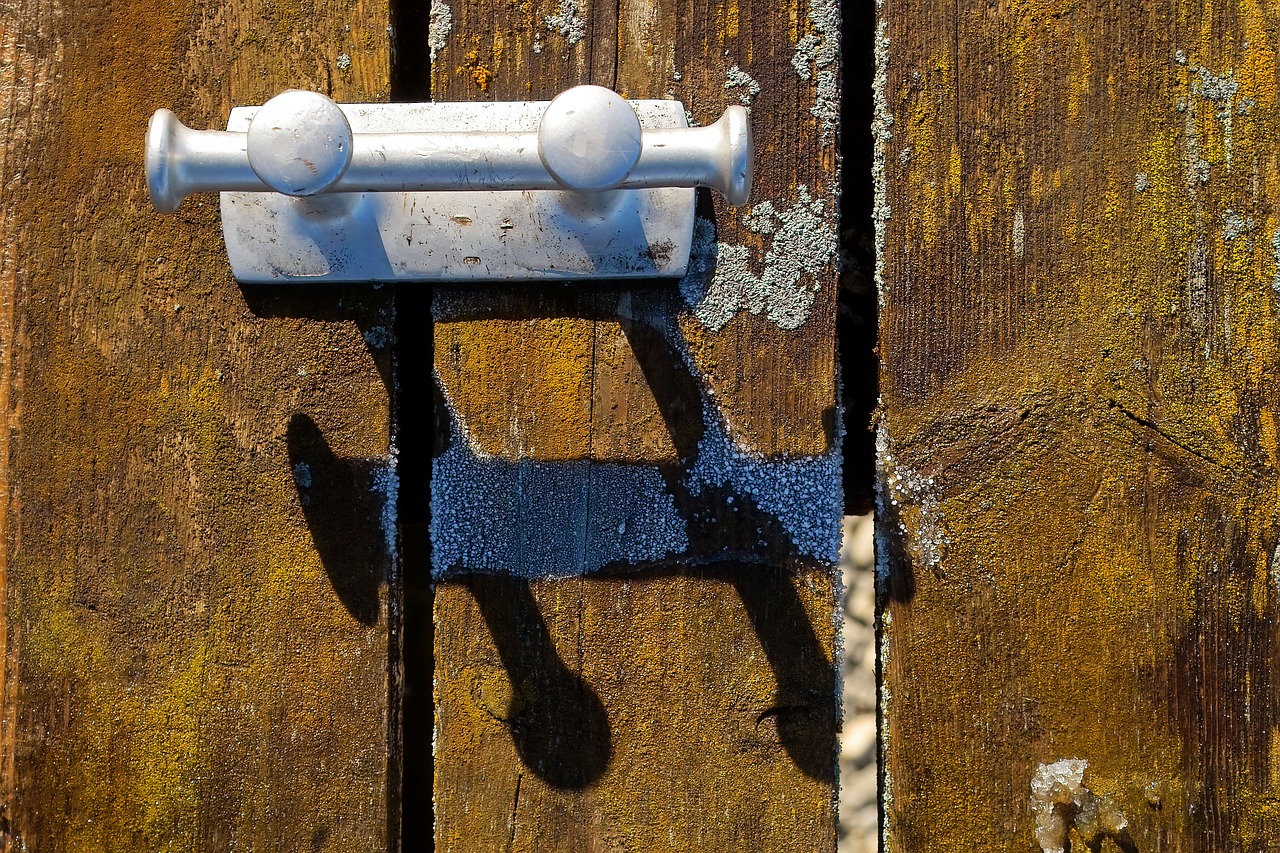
[
  {"x": 589, "y": 139},
  {"x": 299, "y": 143},
  {"x": 165, "y": 190}
]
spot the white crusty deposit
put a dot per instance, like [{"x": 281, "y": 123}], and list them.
[
  {"x": 800, "y": 245},
  {"x": 438, "y": 27},
  {"x": 538, "y": 518},
  {"x": 817, "y": 55}
]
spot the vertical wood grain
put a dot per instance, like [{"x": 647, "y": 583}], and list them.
[
  {"x": 198, "y": 492},
  {"x": 1077, "y": 440},
  {"x": 662, "y": 678}
]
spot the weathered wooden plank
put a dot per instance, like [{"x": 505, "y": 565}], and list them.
[
  {"x": 672, "y": 711},
  {"x": 614, "y": 437},
  {"x": 197, "y": 486},
  {"x": 1077, "y": 439}
]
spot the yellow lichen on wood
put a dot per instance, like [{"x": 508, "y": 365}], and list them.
[
  {"x": 1080, "y": 447},
  {"x": 187, "y": 670},
  {"x": 625, "y": 685},
  {"x": 564, "y": 705},
  {"x": 519, "y": 388}
]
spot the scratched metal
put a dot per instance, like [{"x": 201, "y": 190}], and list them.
[{"x": 460, "y": 236}]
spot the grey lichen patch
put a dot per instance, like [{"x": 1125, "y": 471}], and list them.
[
  {"x": 439, "y": 27},
  {"x": 817, "y": 56},
  {"x": 1061, "y": 803},
  {"x": 566, "y": 22},
  {"x": 1221, "y": 89},
  {"x": 1018, "y": 234},
  {"x": 800, "y": 244},
  {"x": 1195, "y": 167},
  {"x": 1141, "y": 182},
  {"x": 1275, "y": 256},
  {"x": 913, "y": 499},
  {"x": 343, "y": 62},
  {"x": 806, "y": 52},
  {"x": 736, "y": 78},
  {"x": 882, "y": 133},
  {"x": 1233, "y": 225}
]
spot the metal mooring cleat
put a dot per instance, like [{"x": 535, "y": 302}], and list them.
[{"x": 588, "y": 185}]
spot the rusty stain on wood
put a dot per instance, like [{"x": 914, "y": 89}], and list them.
[
  {"x": 681, "y": 694},
  {"x": 195, "y": 641},
  {"x": 1077, "y": 436}
]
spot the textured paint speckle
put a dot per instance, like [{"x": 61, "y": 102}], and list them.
[
  {"x": 547, "y": 519},
  {"x": 386, "y": 483},
  {"x": 491, "y": 514},
  {"x": 802, "y": 493}
]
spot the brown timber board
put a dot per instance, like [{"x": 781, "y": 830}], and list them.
[
  {"x": 629, "y": 657},
  {"x": 197, "y": 622},
  {"x": 1077, "y": 439}
]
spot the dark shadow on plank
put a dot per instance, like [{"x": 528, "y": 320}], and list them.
[
  {"x": 367, "y": 306},
  {"x": 343, "y": 508},
  {"x": 557, "y": 722}
]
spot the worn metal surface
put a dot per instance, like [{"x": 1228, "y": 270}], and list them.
[
  {"x": 636, "y": 506},
  {"x": 1077, "y": 438},
  {"x": 196, "y": 622},
  {"x": 476, "y": 235}
]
